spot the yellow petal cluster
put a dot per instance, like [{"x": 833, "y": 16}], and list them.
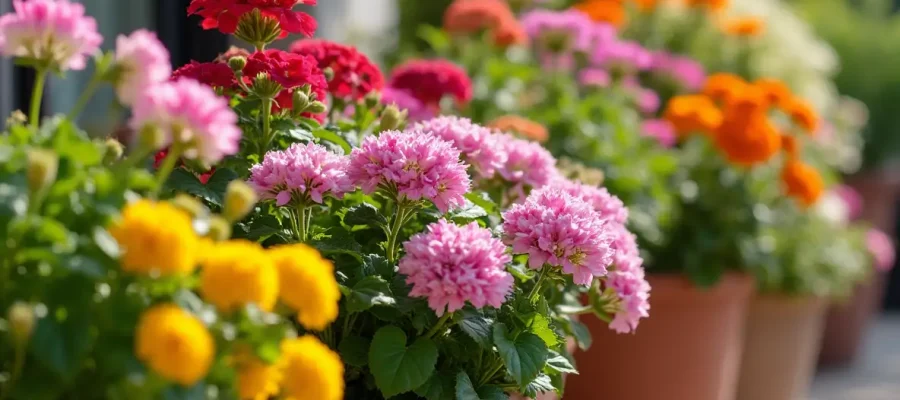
[
  {"x": 174, "y": 344},
  {"x": 236, "y": 273},
  {"x": 156, "y": 238},
  {"x": 312, "y": 371},
  {"x": 307, "y": 284}
]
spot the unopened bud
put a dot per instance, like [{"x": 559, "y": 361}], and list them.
[
  {"x": 329, "y": 73},
  {"x": 371, "y": 100},
  {"x": 301, "y": 102},
  {"x": 219, "y": 229},
  {"x": 16, "y": 118},
  {"x": 392, "y": 118},
  {"x": 189, "y": 204},
  {"x": 21, "y": 322},
  {"x": 42, "y": 168},
  {"x": 317, "y": 107},
  {"x": 112, "y": 150},
  {"x": 237, "y": 63},
  {"x": 239, "y": 200},
  {"x": 152, "y": 138},
  {"x": 258, "y": 28},
  {"x": 265, "y": 87}
]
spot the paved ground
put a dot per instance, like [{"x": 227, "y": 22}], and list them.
[{"x": 875, "y": 376}]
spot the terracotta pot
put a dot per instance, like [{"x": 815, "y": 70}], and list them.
[
  {"x": 781, "y": 344},
  {"x": 688, "y": 349},
  {"x": 847, "y": 322}
]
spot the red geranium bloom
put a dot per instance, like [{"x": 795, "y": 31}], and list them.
[
  {"x": 225, "y": 14},
  {"x": 161, "y": 155},
  {"x": 211, "y": 74},
  {"x": 289, "y": 70},
  {"x": 354, "y": 74},
  {"x": 431, "y": 80}
]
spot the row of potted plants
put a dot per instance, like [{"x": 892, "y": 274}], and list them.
[{"x": 298, "y": 224}]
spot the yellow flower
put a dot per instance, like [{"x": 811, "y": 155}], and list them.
[
  {"x": 174, "y": 344},
  {"x": 307, "y": 284},
  {"x": 257, "y": 380},
  {"x": 236, "y": 273},
  {"x": 156, "y": 238},
  {"x": 311, "y": 370}
]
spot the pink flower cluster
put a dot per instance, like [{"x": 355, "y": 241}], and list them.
[
  {"x": 881, "y": 246},
  {"x": 610, "y": 207},
  {"x": 191, "y": 115},
  {"x": 480, "y": 147},
  {"x": 301, "y": 173},
  {"x": 142, "y": 61},
  {"x": 451, "y": 265},
  {"x": 685, "y": 73},
  {"x": 55, "y": 32},
  {"x": 413, "y": 165},
  {"x": 415, "y": 109},
  {"x": 559, "y": 230},
  {"x": 528, "y": 164},
  {"x": 660, "y": 130}
]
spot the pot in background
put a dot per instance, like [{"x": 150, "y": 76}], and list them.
[{"x": 689, "y": 347}]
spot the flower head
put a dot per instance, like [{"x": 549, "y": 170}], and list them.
[
  {"x": 301, "y": 173},
  {"x": 451, "y": 265},
  {"x": 236, "y": 273},
  {"x": 609, "y": 206},
  {"x": 723, "y": 86},
  {"x": 174, "y": 344},
  {"x": 776, "y": 91},
  {"x": 745, "y": 27},
  {"x": 156, "y": 239},
  {"x": 225, "y": 14},
  {"x": 560, "y": 31},
  {"x": 354, "y": 74},
  {"x": 311, "y": 370},
  {"x": 852, "y": 199},
  {"x": 881, "y": 246},
  {"x": 802, "y": 182},
  {"x": 661, "y": 130},
  {"x": 594, "y": 77},
  {"x": 621, "y": 55},
  {"x": 606, "y": 11},
  {"x": 143, "y": 61},
  {"x": 528, "y": 164},
  {"x": 687, "y": 74},
  {"x": 559, "y": 230},
  {"x": 289, "y": 70},
  {"x": 430, "y": 81},
  {"x": 307, "y": 284},
  {"x": 803, "y": 114},
  {"x": 521, "y": 126},
  {"x": 413, "y": 165},
  {"x": 480, "y": 148},
  {"x": 692, "y": 113},
  {"x": 747, "y": 138},
  {"x": 416, "y": 110},
  {"x": 55, "y": 32},
  {"x": 213, "y": 74},
  {"x": 495, "y": 16},
  {"x": 190, "y": 115},
  {"x": 256, "y": 380},
  {"x": 633, "y": 293}
]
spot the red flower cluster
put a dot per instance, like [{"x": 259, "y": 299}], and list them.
[
  {"x": 289, "y": 70},
  {"x": 430, "y": 80},
  {"x": 161, "y": 155},
  {"x": 354, "y": 74},
  {"x": 225, "y": 14},
  {"x": 212, "y": 74}
]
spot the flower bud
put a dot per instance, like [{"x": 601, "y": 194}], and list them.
[
  {"x": 219, "y": 229},
  {"x": 258, "y": 29},
  {"x": 317, "y": 107},
  {"x": 301, "y": 102},
  {"x": 16, "y": 118},
  {"x": 42, "y": 168},
  {"x": 112, "y": 150},
  {"x": 21, "y": 322},
  {"x": 151, "y": 138},
  {"x": 329, "y": 73},
  {"x": 392, "y": 118},
  {"x": 189, "y": 204},
  {"x": 371, "y": 100},
  {"x": 239, "y": 200},
  {"x": 237, "y": 63},
  {"x": 265, "y": 87}
]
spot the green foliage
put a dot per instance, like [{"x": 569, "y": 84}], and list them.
[{"x": 398, "y": 368}]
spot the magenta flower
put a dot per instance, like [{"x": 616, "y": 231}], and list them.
[
  {"x": 415, "y": 109},
  {"x": 661, "y": 130},
  {"x": 411, "y": 165},
  {"x": 561, "y": 31},
  {"x": 609, "y": 206},
  {"x": 479, "y": 146},
  {"x": 633, "y": 292},
  {"x": 528, "y": 164},
  {"x": 301, "y": 173},
  {"x": 647, "y": 100},
  {"x": 142, "y": 61},
  {"x": 190, "y": 115},
  {"x": 621, "y": 56},
  {"x": 51, "y": 31},
  {"x": 594, "y": 77},
  {"x": 450, "y": 265},
  {"x": 852, "y": 199},
  {"x": 559, "y": 230},
  {"x": 686, "y": 73},
  {"x": 881, "y": 246}
]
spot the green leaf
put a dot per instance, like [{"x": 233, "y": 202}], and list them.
[
  {"x": 182, "y": 180},
  {"x": 489, "y": 392},
  {"x": 364, "y": 214},
  {"x": 396, "y": 367},
  {"x": 85, "y": 265},
  {"x": 558, "y": 362},
  {"x": 62, "y": 347},
  {"x": 325, "y": 134},
  {"x": 475, "y": 325},
  {"x": 582, "y": 334},
  {"x": 540, "y": 325},
  {"x": 378, "y": 264},
  {"x": 339, "y": 241},
  {"x": 524, "y": 355},
  {"x": 482, "y": 200},
  {"x": 467, "y": 212},
  {"x": 263, "y": 227},
  {"x": 464, "y": 388},
  {"x": 354, "y": 350},
  {"x": 541, "y": 384},
  {"x": 438, "y": 387},
  {"x": 369, "y": 292}
]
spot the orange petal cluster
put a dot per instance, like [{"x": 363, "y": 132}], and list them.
[
  {"x": 745, "y": 27},
  {"x": 802, "y": 182},
  {"x": 521, "y": 126},
  {"x": 609, "y": 11},
  {"x": 493, "y": 16}
]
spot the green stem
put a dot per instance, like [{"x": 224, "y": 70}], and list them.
[
  {"x": 267, "y": 128},
  {"x": 85, "y": 97},
  {"x": 537, "y": 286},
  {"x": 490, "y": 374},
  {"x": 394, "y": 233},
  {"x": 168, "y": 165},
  {"x": 304, "y": 222},
  {"x": 440, "y": 324},
  {"x": 37, "y": 93}
]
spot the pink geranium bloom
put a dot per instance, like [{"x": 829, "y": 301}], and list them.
[
  {"x": 302, "y": 173},
  {"x": 881, "y": 246},
  {"x": 479, "y": 146},
  {"x": 51, "y": 31},
  {"x": 143, "y": 61}
]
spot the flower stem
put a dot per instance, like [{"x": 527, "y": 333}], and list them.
[
  {"x": 537, "y": 286},
  {"x": 168, "y": 165},
  {"x": 304, "y": 223},
  {"x": 266, "y": 128},
  {"x": 490, "y": 374},
  {"x": 85, "y": 97},
  {"x": 394, "y": 233},
  {"x": 440, "y": 324},
  {"x": 37, "y": 93}
]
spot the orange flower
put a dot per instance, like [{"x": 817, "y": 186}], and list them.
[
  {"x": 693, "y": 113},
  {"x": 748, "y": 99},
  {"x": 508, "y": 33},
  {"x": 645, "y": 5},
  {"x": 522, "y": 126},
  {"x": 802, "y": 182},
  {"x": 745, "y": 27},
  {"x": 791, "y": 146},
  {"x": 803, "y": 115},
  {"x": 747, "y": 138},
  {"x": 777, "y": 92},
  {"x": 608, "y": 11},
  {"x": 474, "y": 16},
  {"x": 723, "y": 86},
  {"x": 714, "y": 5}
]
